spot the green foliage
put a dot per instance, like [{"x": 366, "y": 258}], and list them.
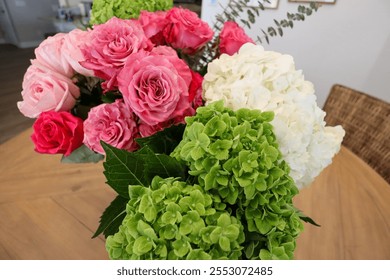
[
  {"x": 123, "y": 168},
  {"x": 239, "y": 11},
  {"x": 165, "y": 141},
  {"x": 234, "y": 156},
  {"x": 103, "y": 10},
  {"x": 234, "y": 203},
  {"x": 173, "y": 220},
  {"x": 82, "y": 155},
  {"x": 112, "y": 217}
]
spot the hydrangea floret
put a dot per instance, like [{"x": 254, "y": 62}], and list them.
[{"x": 103, "y": 10}]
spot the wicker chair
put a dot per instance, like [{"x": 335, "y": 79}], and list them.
[{"x": 366, "y": 121}]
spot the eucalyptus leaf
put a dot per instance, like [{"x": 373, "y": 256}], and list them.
[{"x": 82, "y": 155}]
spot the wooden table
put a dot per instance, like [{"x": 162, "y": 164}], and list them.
[{"x": 50, "y": 210}]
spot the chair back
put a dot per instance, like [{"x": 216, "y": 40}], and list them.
[{"x": 366, "y": 121}]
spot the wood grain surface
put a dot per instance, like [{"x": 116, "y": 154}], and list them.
[{"x": 50, "y": 210}]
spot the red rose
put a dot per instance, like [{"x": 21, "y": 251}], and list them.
[
  {"x": 195, "y": 91},
  {"x": 186, "y": 31},
  {"x": 232, "y": 37},
  {"x": 57, "y": 133}
]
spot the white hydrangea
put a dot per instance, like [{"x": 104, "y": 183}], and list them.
[{"x": 258, "y": 79}]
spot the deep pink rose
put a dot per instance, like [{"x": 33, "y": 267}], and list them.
[
  {"x": 146, "y": 130},
  {"x": 153, "y": 24},
  {"x": 232, "y": 37},
  {"x": 155, "y": 86},
  {"x": 45, "y": 90},
  {"x": 57, "y": 133},
  {"x": 114, "y": 124},
  {"x": 195, "y": 92},
  {"x": 186, "y": 31},
  {"x": 109, "y": 46},
  {"x": 72, "y": 53},
  {"x": 49, "y": 53}
]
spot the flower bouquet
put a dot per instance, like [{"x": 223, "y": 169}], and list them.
[{"x": 206, "y": 137}]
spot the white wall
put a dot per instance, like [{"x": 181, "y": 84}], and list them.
[{"x": 346, "y": 43}]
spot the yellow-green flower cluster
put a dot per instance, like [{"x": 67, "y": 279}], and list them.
[
  {"x": 103, "y": 10},
  {"x": 173, "y": 220},
  {"x": 234, "y": 156},
  {"x": 236, "y": 202}
]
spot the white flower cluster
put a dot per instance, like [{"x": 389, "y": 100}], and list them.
[{"x": 268, "y": 81}]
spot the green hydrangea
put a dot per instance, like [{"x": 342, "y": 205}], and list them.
[
  {"x": 174, "y": 220},
  {"x": 237, "y": 206},
  {"x": 234, "y": 156},
  {"x": 103, "y": 10}
]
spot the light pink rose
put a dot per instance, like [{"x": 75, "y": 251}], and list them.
[
  {"x": 153, "y": 24},
  {"x": 109, "y": 47},
  {"x": 49, "y": 53},
  {"x": 45, "y": 90},
  {"x": 232, "y": 37},
  {"x": 72, "y": 52},
  {"x": 186, "y": 31},
  {"x": 57, "y": 133},
  {"x": 112, "y": 123},
  {"x": 155, "y": 86}
]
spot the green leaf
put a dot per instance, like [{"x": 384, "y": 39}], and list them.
[
  {"x": 122, "y": 169},
  {"x": 307, "y": 219},
  {"x": 82, "y": 155},
  {"x": 165, "y": 141},
  {"x": 112, "y": 217},
  {"x": 160, "y": 165}
]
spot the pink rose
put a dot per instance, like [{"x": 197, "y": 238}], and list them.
[
  {"x": 186, "y": 31},
  {"x": 146, "y": 130},
  {"x": 155, "y": 86},
  {"x": 112, "y": 123},
  {"x": 57, "y": 133},
  {"x": 153, "y": 24},
  {"x": 49, "y": 54},
  {"x": 109, "y": 46},
  {"x": 72, "y": 52},
  {"x": 232, "y": 37},
  {"x": 45, "y": 90}
]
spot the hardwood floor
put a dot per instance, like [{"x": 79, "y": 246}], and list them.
[{"x": 14, "y": 62}]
